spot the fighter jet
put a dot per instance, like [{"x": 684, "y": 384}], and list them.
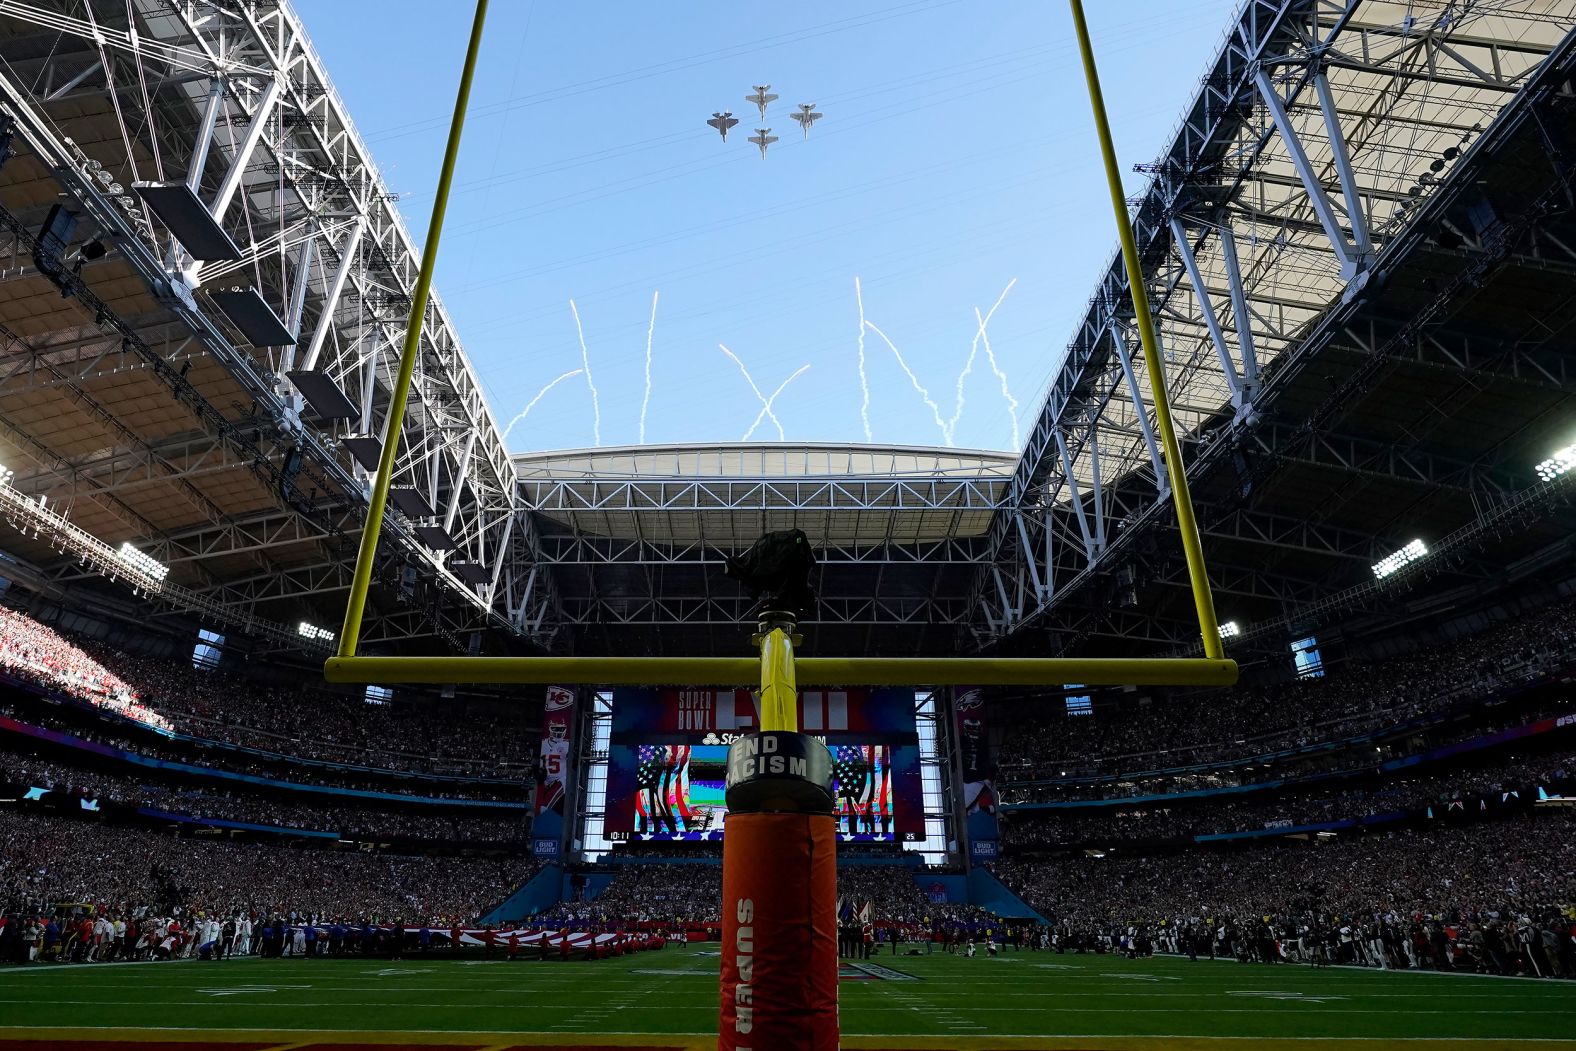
[
  {"x": 722, "y": 122},
  {"x": 806, "y": 116},
  {"x": 763, "y": 138},
  {"x": 761, "y": 98}
]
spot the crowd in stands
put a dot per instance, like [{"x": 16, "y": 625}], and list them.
[
  {"x": 51, "y": 860},
  {"x": 1505, "y": 945},
  {"x": 690, "y": 895},
  {"x": 349, "y": 821},
  {"x": 1364, "y": 755},
  {"x": 676, "y": 894},
  {"x": 285, "y": 769},
  {"x": 171, "y": 694},
  {"x": 335, "y": 727},
  {"x": 1488, "y": 874},
  {"x": 893, "y": 894},
  {"x": 1028, "y": 829},
  {"x": 1358, "y": 699},
  {"x": 35, "y": 651}
]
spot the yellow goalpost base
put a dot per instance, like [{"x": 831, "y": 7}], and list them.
[{"x": 809, "y": 671}]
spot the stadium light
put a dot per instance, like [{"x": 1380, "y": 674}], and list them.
[
  {"x": 6, "y": 474},
  {"x": 1230, "y": 630},
  {"x": 1563, "y": 461},
  {"x": 315, "y": 633},
  {"x": 1404, "y": 557},
  {"x": 142, "y": 563}
]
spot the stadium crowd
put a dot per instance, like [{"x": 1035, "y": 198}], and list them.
[
  {"x": 334, "y": 727},
  {"x": 171, "y": 694},
  {"x": 664, "y": 894},
  {"x": 349, "y": 821},
  {"x": 287, "y": 769},
  {"x": 1358, "y": 699},
  {"x": 1028, "y": 829},
  {"x": 37, "y": 652},
  {"x": 893, "y": 894},
  {"x": 1347, "y": 756},
  {"x": 1507, "y": 877},
  {"x": 690, "y": 895},
  {"x": 47, "y": 860}
]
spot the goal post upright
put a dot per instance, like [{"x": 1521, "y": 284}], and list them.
[
  {"x": 377, "y": 503},
  {"x": 1176, "y": 473}
]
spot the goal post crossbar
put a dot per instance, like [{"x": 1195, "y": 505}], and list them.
[{"x": 809, "y": 671}]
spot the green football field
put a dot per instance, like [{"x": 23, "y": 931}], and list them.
[{"x": 668, "y": 998}]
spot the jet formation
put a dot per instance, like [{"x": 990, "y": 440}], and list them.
[{"x": 761, "y": 98}]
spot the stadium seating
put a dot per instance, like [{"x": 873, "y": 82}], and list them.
[
  {"x": 1506, "y": 876},
  {"x": 29, "y": 773},
  {"x": 1250, "y": 723},
  {"x": 46, "y": 859},
  {"x": 1378, "y": 798},
  {"x": 212, "y": 706}
]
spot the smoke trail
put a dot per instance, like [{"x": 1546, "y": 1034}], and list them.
[
  {"x": 771, "y": 401},
  {"x": 585, "y": 366},
  {"x": 935, "y": 410},
  {"x": 968, "y": 366},
  {"x": 1012, "y": 403},
  {"x": 646, "y": 401},
  {"x": 766, "y": 406},
  {"x": 864, "y": 381},
  {"x": 539, "y": 396}
]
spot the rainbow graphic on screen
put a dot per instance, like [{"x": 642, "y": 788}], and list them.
[{"x": 679, "y": 791}]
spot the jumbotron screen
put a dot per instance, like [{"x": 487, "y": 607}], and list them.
[{"x": 668, "y": 752}]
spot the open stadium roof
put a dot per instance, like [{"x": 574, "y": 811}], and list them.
[
  {"x": 725, "y": 496},
  {"x": 636, "y": 537}
]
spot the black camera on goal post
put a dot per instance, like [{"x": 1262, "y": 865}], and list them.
[{"x": 776, "y": 570}]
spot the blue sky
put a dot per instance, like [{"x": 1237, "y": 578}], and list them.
[{"x": 956, "y": 155}]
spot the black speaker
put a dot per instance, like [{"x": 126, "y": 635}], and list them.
[{"x": 54, "y": 238}]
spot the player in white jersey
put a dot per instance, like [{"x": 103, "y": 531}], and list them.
[{"x": 554, "y": 764}]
